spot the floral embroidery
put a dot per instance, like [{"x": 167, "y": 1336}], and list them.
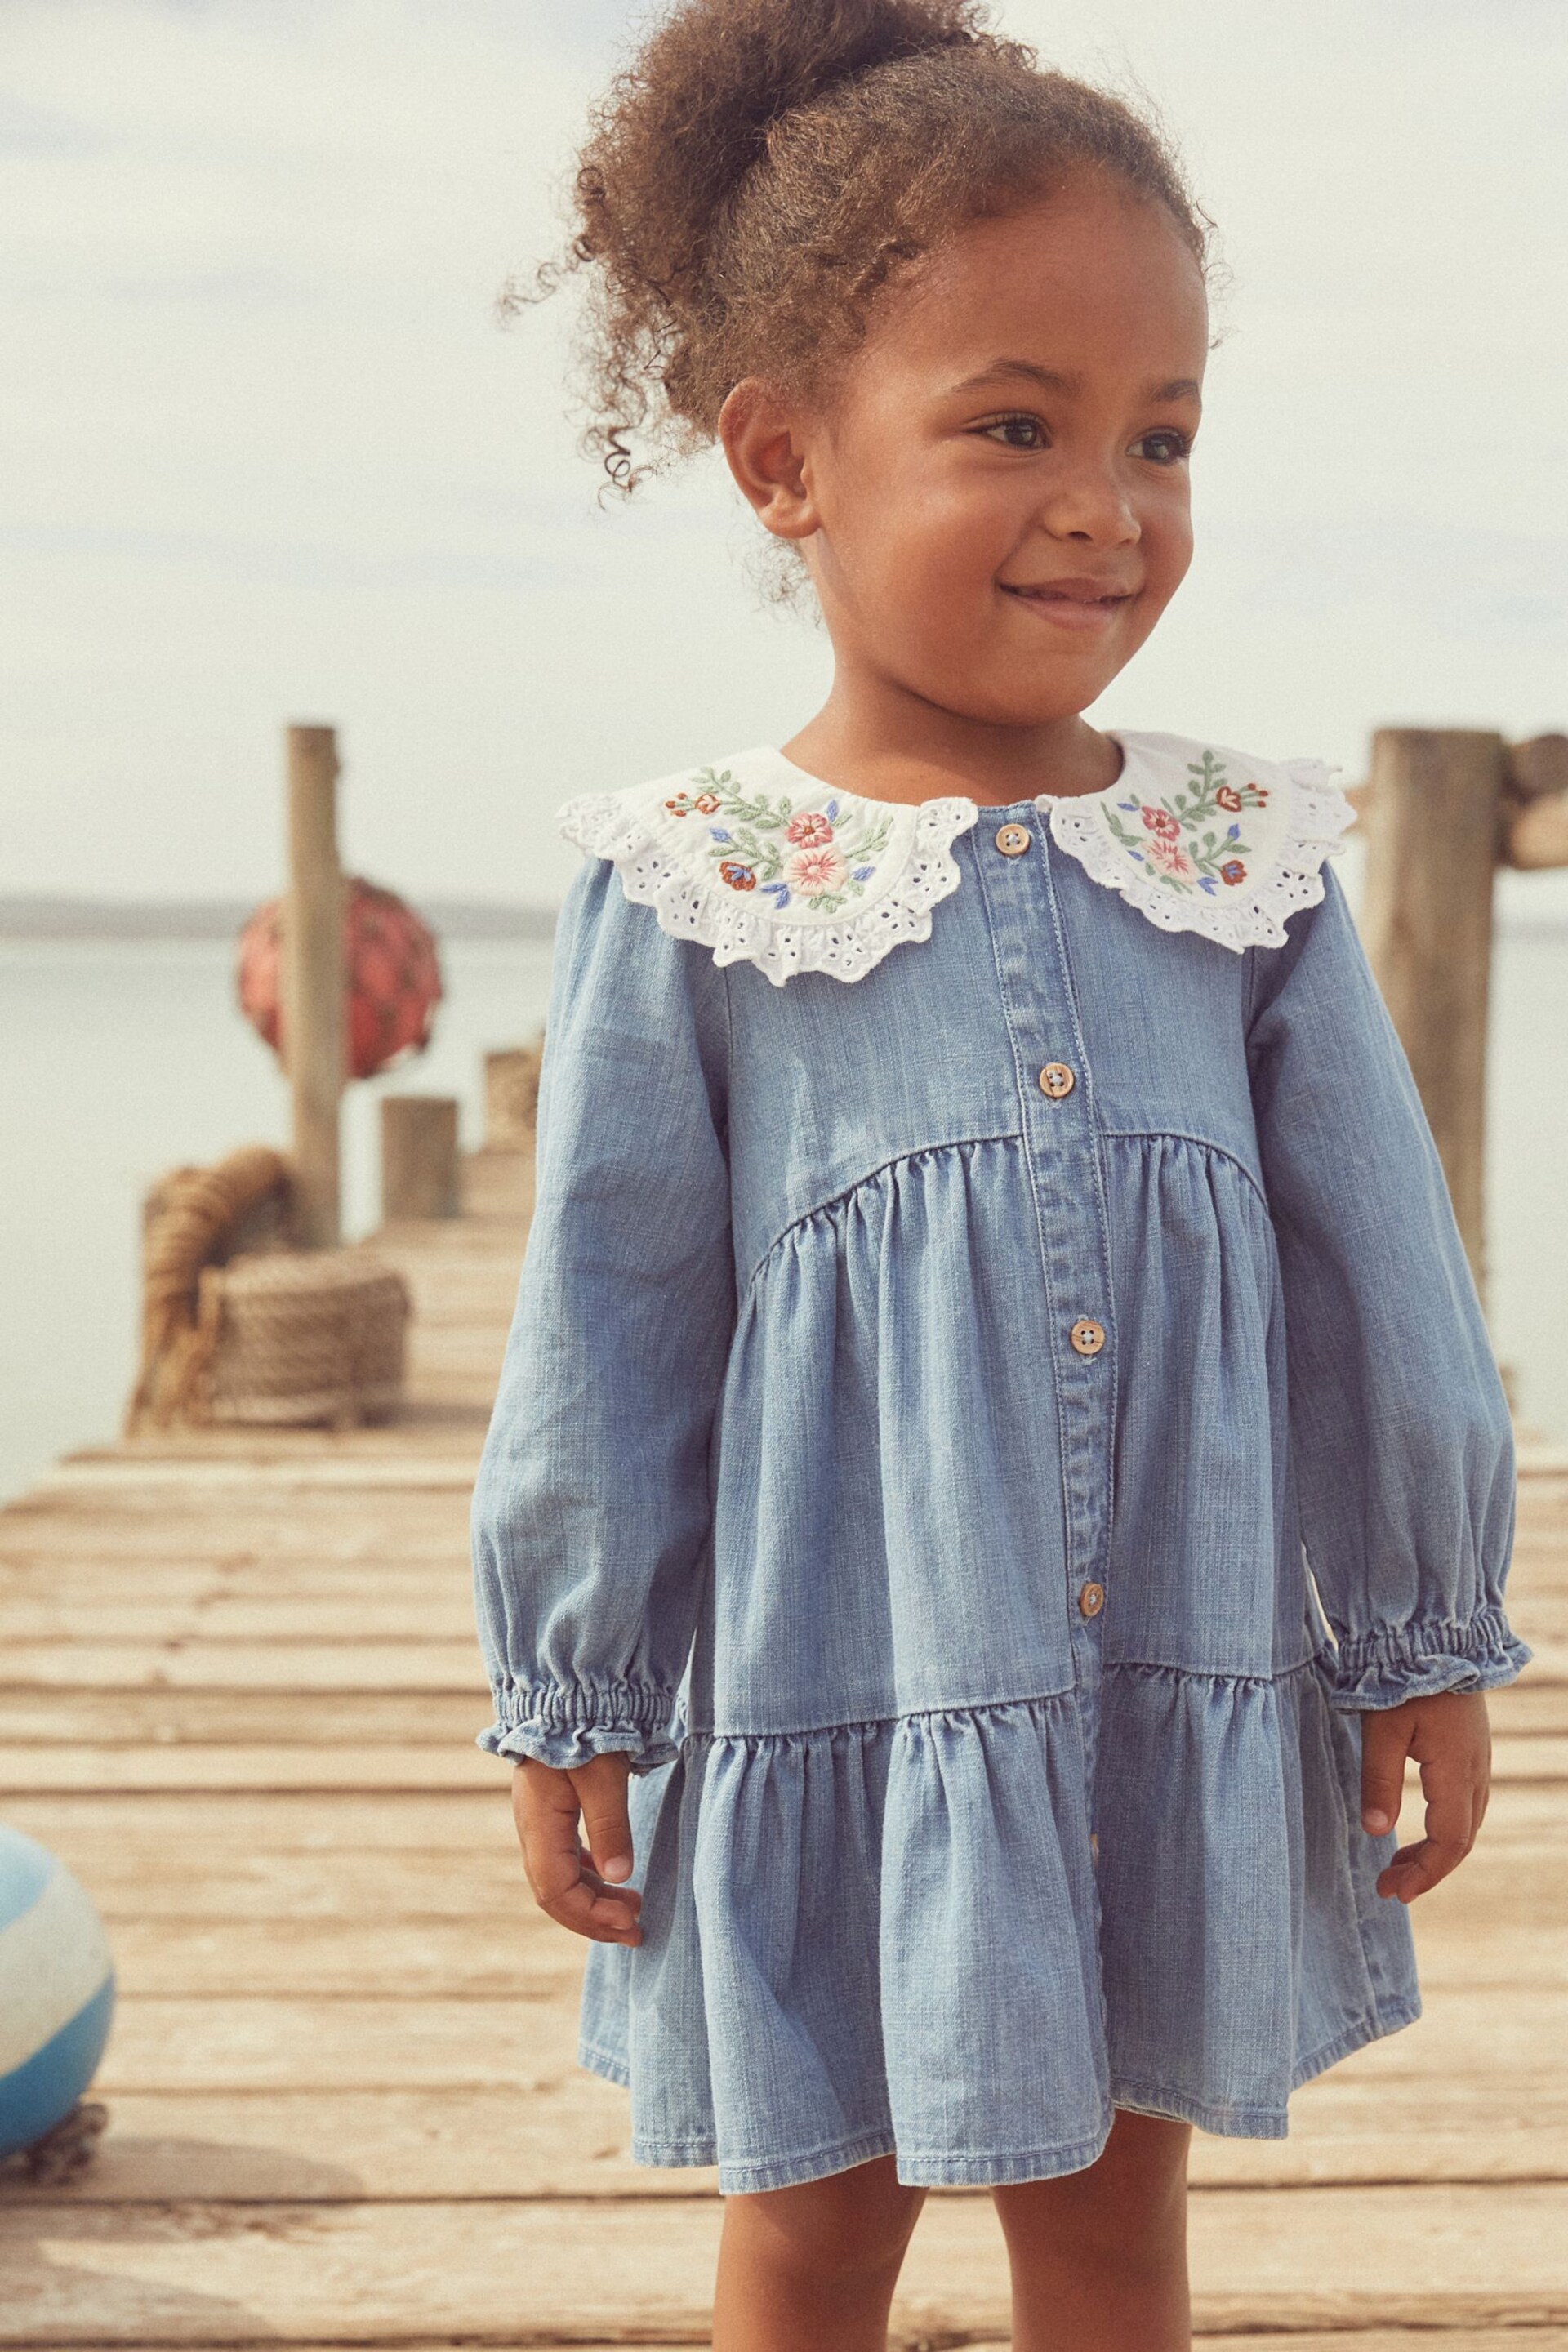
[
  {"x": 1185, "y": 845},
  {"x": 835, "y": 848}
]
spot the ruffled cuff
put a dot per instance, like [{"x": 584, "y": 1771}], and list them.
[
  {"x": 1384, "y": 1669},
  {"x": 568, "y": 1724}
]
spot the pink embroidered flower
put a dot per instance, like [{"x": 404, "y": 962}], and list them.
[
  {"x": 1161, "y": 823},
  {"x": 738, "y": 876},
  {"x": 812, "y": 871},
  {"x": 1233, "y": 870},
  {"x": 1228, "y": 798},
  {"x": 808, "y": 830},
  {"x": 1171, "y": 858},
  {"x": 707, "y": 802}
]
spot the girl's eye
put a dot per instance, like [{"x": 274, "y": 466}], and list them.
[
  {"x": 1166, "y": 447},
  {"x": 1020, "y": 432}
]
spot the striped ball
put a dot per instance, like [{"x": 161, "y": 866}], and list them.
[{"x": 56, "y": 1991}]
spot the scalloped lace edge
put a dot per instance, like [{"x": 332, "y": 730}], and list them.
[
  {"x": 1319, "y": 816},
  {"x": 690, "y": 905}
]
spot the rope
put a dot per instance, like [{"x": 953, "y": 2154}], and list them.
[{"x": 191, "y": 1217}]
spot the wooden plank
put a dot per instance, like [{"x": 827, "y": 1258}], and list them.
[
  {"x": 440, "y": 1958},
  {"x": 1528, "y": 1707},
  {"x": 516, "y": 2273},
  {"x": 123, "y": 1479},
  {"x": 262, "y": 1890},
  {"x": 274, "y": 1824},
  {"x": 242, "y": 1666},
  {"x": 259, "y": 2043},
  {"x": 136, "y": 1615},
  {"x": 242, "y": 1718},
  {"x": 363, "y": 1537},
  {"x": 392, "y": 1770}
]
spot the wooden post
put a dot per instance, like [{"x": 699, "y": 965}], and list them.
[
  {"x": 313, "y": 1016},
  {"x": 512, "y": 1097},
  {"x": 418, "y": 1155},
  {"x": 1434, "y": 820}
]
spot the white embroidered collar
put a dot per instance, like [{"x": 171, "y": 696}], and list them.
[{"x": 767, "y": 865}]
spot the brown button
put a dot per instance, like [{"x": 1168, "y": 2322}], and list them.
[
  {"x": 1056, "y": 1080},
  {"x": 1087, "y": 1336},
  {"x": 1091, "y": 1600},
  {"x": 1012, "y": 840}
]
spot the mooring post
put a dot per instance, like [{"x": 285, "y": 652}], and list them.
[
  {"x": 1433, "y": 818},
  {"x": 418, "y": 1155},
  {"x": 313, "y": 1012}
]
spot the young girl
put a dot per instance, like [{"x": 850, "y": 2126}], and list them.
[{"x": 998, "y": 1442}]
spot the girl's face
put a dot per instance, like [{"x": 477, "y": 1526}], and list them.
[{"x": 994, "y": 505}]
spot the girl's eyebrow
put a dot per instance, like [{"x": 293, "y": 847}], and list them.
[{"x": 1180, "y": 387}]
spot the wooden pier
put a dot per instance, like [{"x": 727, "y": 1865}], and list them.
[{"x": 240, "y": 1688}]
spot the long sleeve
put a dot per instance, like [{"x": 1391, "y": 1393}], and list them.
[
  {"x": 591, "y": 1511},
  {"x": 1400, "y": 1429}
]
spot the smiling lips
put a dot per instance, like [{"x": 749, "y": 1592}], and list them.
[{"x": 1070, "y": 604}]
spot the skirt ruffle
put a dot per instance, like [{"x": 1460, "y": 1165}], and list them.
[{"x": 896, "y": 1938}]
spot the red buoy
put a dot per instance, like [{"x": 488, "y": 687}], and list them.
[{"x": 392, "y": 977}]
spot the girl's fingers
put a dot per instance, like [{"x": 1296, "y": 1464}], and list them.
[
  {"x": 1455, "y": 1802},
  {"x": 545, "y": 1807},
  {"x": 1384, "y": 1744},
  {"x": 601, "y": 1788}
]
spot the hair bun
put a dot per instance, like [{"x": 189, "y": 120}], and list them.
[{"x": 708, "y": 84}]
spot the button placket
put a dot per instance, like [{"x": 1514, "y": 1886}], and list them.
[{"x": 1063, "y": 1158}]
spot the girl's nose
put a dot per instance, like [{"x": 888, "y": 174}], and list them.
[{"x": 1091, "y": 505}]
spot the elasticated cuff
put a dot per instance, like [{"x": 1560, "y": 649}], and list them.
[
  {"x": 1384, "y": 1669},
  {"x": 567, "y": 1725}
]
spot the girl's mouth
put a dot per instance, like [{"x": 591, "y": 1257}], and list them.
[{"x": 1070, "y": 604}]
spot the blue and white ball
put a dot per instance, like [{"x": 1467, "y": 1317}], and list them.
[{"x": 56, "y": 1991}]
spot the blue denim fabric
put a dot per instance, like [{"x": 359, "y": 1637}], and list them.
[{"x": 795, "y": 1482}]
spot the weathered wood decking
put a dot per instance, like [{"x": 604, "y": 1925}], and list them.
[{"x": 239, "y": 1690}]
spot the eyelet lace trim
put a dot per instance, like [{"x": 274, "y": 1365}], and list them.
[
  {"x": 1175, "y": 872},
  {"x": 674, "y": 867}
]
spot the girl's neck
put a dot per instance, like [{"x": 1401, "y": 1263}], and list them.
[{"x": 892, "y": 747}]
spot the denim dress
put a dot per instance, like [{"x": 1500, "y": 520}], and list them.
[{"x": 995, "y": 1391}]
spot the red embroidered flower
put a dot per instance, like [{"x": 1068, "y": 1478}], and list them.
[
  {"x": 682, "y": 804},
  {"x": 707, "y": 802},
  {"x": 1233, "y": 870},
  {"x": 1162, "y": 821},
  {"x": 814, "y": 871},
  {"x": 808, "y": 830},
  {"x": 1170, "y": 857},
  {"x": 738, "y": 876},
  {"x": 1228, "y": 798}
]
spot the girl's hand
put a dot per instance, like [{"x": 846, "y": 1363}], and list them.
[
  {"x": 577, "y": 1887},
  {"x": 1450, "y": 1739}
]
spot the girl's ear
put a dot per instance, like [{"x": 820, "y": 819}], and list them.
[{"x": 762, "y": 445}]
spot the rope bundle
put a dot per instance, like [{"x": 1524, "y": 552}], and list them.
[{"x": 264, "y": 1335}]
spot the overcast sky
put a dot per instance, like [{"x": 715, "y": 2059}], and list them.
[{"x": 264, "y": 453}]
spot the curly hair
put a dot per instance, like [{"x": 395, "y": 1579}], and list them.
[{"x": 763, "y": 168}]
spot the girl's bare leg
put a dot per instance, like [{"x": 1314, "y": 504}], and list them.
[
  {"x": 1100, "y": 2257},
  {"x": 812, "y": 2269}
]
